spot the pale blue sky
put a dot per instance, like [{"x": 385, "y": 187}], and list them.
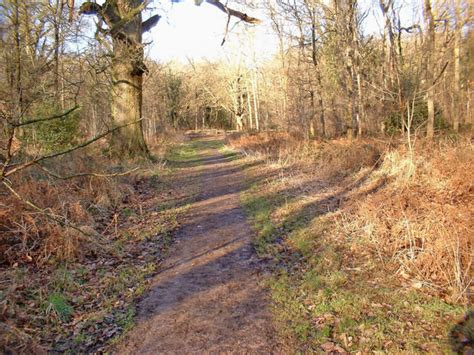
[
  {"x": 187, "y": 31},
  {"x": 196, "y": 32}
]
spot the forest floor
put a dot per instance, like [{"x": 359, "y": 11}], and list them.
[
  {"x": 338, "y": 282},
  {"x": 223, "y": 252},
  {"x": 255, "y": 268}
]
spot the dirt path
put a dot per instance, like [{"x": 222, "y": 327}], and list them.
[{"x": 208, "y": 296}]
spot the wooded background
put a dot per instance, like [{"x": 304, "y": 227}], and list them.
[{"x": 328, "y": 78}]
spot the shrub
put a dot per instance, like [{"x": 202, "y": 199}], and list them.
[
  {"x": 393, "y": 123},
  {"x": 52, "y": 135}
]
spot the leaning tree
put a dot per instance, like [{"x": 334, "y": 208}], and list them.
[{"x": 123, "y": 23}]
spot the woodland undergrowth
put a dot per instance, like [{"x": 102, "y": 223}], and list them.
[
  {"x": 74, "y": 259},
  {"x": 372, "y": 240}
]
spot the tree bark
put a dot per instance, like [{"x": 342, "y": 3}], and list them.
[
  {"x": 127, "y": 85},
  {"x": 126, "y": 103},
  {"x": 124, "y": 21},
  {"x": 457, "y": 104},
  {"x": 429, "y": 66}
]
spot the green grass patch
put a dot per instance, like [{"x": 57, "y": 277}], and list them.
[
  {"x": 190, "y": 150},
  {"x": 58, "y": 305},
  {"x": 311, "y": 309},
  {"x": 181, "y": 153},
  {"x": 258, "y": 210}
]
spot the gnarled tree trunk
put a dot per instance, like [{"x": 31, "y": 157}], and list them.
[
  {"x": 124, "y": 21},
  {"x": 124, "y": 24},
  {"x": 126, "y": 100}
]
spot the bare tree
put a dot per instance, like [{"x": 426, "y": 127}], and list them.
[{"x": 125, "y": 26}]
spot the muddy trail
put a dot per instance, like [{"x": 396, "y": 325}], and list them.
[{"x": 208, "y": 296}]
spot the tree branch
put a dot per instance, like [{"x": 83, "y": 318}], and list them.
[
  {"x": 45, "y": 119},
  {"x": 410, "y": 28},
  {"x": 150, "y": 23},
  {"x": 235, "y": 13},
  {"x": 226, "y": 30},
  {"x": 57, "y": 154},
  {"x": 68, "y": 177}
]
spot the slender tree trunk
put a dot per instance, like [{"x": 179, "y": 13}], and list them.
[
  {"x": 196, "y": 117},
  {"x": 429, "y": 66},
  {"x": 63, "y": 87},
  {"x": 388, "y": 44},
  {"x": 18, "y": 89},
  {"x": 390, "y": 68},
  {"x": 346, "y": 24},
  {"x": 311, "y": 128},
  {"x": 356, "y": 63},
  {"x": 314, "y": 59},
  {"x": 57, "y": 44},
  {"x": 457, "y": 104},
  {"x": 255, "y": 99},
  {"x": 239, "y": 122},
  {"x": 398, "y": 56},
  {"x": 360, "y": 105},
  {"x": 249, "y": 106}
]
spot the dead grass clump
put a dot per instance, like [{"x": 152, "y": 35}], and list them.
[
  {"x": 326, "y": 159},
  {"x": 62, "y": 226},
  {"x": 270, "y": 146},
  {"x": 422, "y": 220},
  {"x": 343, "y": 157},
  {"x": 410, "y": 209}
]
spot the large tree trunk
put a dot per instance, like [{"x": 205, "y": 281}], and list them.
[
  {"x": 124, "y": 19},
  {"x": 127, "y": 82},
  {"x": 127, "y": 102}
]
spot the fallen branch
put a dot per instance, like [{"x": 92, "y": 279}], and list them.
[
  {"x": 92, "y": 238},
  {"x": 68, "y": 177},
  {"x": 57, "y": 154}
]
